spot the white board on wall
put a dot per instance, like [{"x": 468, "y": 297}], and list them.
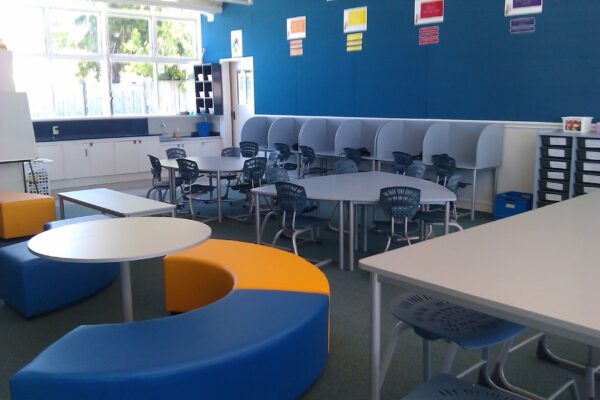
[{"x": 17, "y": 140}]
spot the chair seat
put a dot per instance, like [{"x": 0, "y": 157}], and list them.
[
  {"x": 197, "y": 188},
  {"x": 224, "y": 175},
  {"x": 305, "y": 221},
  {"x": 446, "y": 387},
  {"x": 431, "y": 217},
  {"x": 434, "y": 319}
]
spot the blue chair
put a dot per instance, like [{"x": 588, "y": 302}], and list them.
[
  {"x": 444, "y": 167},
  {"x": 438, "y": 216},
  {"x": 231, "y": 152},
  {"x": 292, "y": 201},
  {"x": 190, "y": 190},
  {"x": 175, "y": 153},
  {"x": 446, "y": 387},
  {"x": 249, "y": 149},
  {"x": 308, "y": 157},
  {"x": 416, "y": 170},
  {"x": 401, "y": 161},
  {"x": 401, "y": 204},
  {"x": 284, "y": 154},
  {"x": 433, "y": 319},
  {"x": 353, "y": 154},
  {"x": 158, "y": 186},
  {"x": 345, "y": 166},
  {"x": 251, "y": 177}
]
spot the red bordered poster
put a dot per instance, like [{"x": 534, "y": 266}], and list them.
[{"x": 429, "y": 12}]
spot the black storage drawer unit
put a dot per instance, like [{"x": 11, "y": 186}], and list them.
[
  {"x": 587, "y": 143},
  {"x": 550, "y": 152},
  {"x": 557, "y": 141},
  {"x": 586, "y": 188},
  {"x": 544, "y": 203},
  {"x": 588, "y": 166},
  {"x": 554, "y": 174},
  {"x": 552, "y": 196},
  {"x": 581, "y": 177},
  {"x": 558, "y": 186},
  {"x": 551, "y": 163},
  {"x": 593, "y": 155}
]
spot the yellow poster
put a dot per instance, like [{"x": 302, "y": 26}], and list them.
[{"x": 355, "y": 19}]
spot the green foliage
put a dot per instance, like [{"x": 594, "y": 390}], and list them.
[
  {"x": 85, "y": 68},
  {"x": 174, "y": 38},
  {"x": 128, "y": 36},
  {"x": 63, "y": 41}
]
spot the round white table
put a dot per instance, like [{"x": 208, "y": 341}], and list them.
[
  {"x": 359, "y": 188},
  {"x": 216, "y": 164},
  {"x": 119, "y": 240}
]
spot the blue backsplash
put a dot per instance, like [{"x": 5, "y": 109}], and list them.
[{"x": 90, "y": 129}]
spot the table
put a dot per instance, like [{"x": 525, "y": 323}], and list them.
[
  {"x": 358, "y": 188},
  {"x": 215, "y": 164},
  {"x": 115, "y": 203},
  {"x": 119, "y": 240},
  {"x": 539, "y": 269}
]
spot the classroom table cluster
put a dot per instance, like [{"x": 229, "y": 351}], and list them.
[{"x": 253, "y": 319}]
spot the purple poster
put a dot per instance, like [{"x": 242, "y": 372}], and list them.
[
  {"x": 522, "y": 25},
  {"x": 526, "y": 3},
  {"x": 522, "y": 7}
]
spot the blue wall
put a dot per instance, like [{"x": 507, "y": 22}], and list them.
[{"x": 478, "y": 71}]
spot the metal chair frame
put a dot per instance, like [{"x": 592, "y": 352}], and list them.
[
  {"x": 174, "y": 153},
  {"x": 250, "y": 178},
  {"x": 189, "y": 173},
  {"x": 162, "y": 188},
  {"x": 248, "y": 149}
]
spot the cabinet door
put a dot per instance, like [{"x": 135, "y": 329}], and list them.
[
  {"x": 193, "y": 148},
  {"x": 102, "y": 158},
  {"x": 210, "y": 148},
  {"x": 147, "y": 146},
  {"x": 52, "y": 152},
  {"x": 76, "y": 160},
  {"x": 126, "y": 156}
]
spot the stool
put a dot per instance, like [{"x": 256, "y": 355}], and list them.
[
  {"x": 24, "y": 214},
  {"x": 32, "y": 285}
]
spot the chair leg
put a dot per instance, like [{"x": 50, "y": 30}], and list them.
[
  {"x": 148, "y": 193},
  {"x": 406, "y": 231},
  {"x": 264, "y": 224},
  {"x": 277, "y": 235},
  {"x": 390, "y": 349},
  {"x": 390, "y": 236},
  {"x": 426, "y": 360},
  {"x": 450, "y": 357}
]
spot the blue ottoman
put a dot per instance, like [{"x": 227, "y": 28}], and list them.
[
  {"x": 32, "y": 285},
  {"x": 76, "y": 220}
]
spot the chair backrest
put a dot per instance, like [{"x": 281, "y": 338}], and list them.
[
  {"x": 188, "y": 170},
  {"x": 402, "y": 161},
  {"x": 353, "y": 154},
  {"x": 416, "y": 170},
  {"x": 443, "y": 164},
  {"x": 274, "y": 175},
  {"x": 453, "y": 182},
  {"x": 254, "y": 170},
  {"x": 400, "y": 201},
  {"x": 345, "y": 167},
  {"x": 156, "y": 168},
  {"x": 249, "y": 149},
  {"x": 291, "y": 197},
  {"x": 284, "y": 151},
  {"x": 231, "y": 152},
  {"x": 308, "y": 154},
  {"x": 176, "y": 152}
]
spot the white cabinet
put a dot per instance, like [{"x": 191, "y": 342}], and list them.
[
  {"x": 101, "y": 157},
  {"x": 210, "y": 148},
  {"x": 126, "y": 156},
  {"x": 192, "y": 148},
  {"x": 75, "y": 160},
  {"x": 147, "y": 146},
  {"x": 52, "y": 152}
]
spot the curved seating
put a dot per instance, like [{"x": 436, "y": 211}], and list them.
[
  {"x": 32, "y": 285},
  {"x": 262, "y": 333}
]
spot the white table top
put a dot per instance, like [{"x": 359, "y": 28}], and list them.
[
  {"x": 210, "y": 163},
  {"x": 117, "y": 203},
  {"x": 540, "y": 269},
  {"x": 118, "y": 239},
  {"x": 363, "y": 187}
]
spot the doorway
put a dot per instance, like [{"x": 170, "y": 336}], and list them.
[{"x": 241, "y": 78}]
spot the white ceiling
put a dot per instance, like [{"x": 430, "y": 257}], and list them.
[{"x": 209, "y": 6}]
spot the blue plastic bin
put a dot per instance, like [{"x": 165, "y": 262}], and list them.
[
  {"x": 511, "y": 203},
  {"x": 203, "y": 128}
]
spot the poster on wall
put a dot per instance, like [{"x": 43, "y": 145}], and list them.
[
  {"x": 429, "y": 35},
  {"x": 355, "y": 20},
  {"x": 522, "y": 7},
  {"x": 236, "y": 44},
  {"x": 354, "y": 42},
  {"x": 296, "y": 28},
  {"x": 429, "y": 12},
  {"x": 522, "y": 25}
]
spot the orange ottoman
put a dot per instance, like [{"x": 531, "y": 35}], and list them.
[{"x": 24, "y": 214}]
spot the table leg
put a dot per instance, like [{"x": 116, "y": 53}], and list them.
[
  {"x": 172, "y": 187},
  {"x": 446, "y": 218},
  {"x": 375, "y": 336},
  {"x": 473, "y": 195},
  {"x": 364, "y": 226},
  {"x": 257, "y": 216},
  {"x": 219, "y": 217},
  {"x": 126, "y": 291},
  {"x": 61, "y": 206},
  {"x": 351, "y": 235},
  {"x": 341, "y": 235}
]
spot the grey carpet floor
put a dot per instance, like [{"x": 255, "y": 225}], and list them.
[{"x": 346, "y": 373}]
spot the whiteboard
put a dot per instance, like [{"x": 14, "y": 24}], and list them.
[{"x": 17, "y": 140}]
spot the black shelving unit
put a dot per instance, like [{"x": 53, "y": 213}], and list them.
[{"x": 209, "y": 90}]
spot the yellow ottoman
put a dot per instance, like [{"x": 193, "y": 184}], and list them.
[{"x": 24, "y": 214}]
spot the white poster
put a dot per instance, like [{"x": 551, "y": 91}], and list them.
[{"x": 236, "y": 44}]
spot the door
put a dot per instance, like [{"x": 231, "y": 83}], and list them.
[
  {"x": 53, "y": 152},
  {"x": 126, "y": 156},
  {"x": 102, "y": 158},
  {"x": 192, "y": 148},
  {"x": 147, "y": 146},
  {"x": 241, "y": 75},
  {"x": 76, "y": 161}
]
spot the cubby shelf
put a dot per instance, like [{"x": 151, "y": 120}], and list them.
[{"x": 209, "y": 94}]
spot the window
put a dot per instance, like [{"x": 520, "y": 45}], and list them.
[{"x": 86, "y": 58}]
